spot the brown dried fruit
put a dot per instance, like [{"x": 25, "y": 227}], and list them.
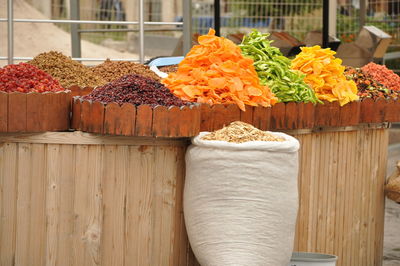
[
  {"x": 67, "y": 71},
  {"x": 112, "y": 70}
]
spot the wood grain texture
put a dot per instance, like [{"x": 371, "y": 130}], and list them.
[
  {"x": 277, "y": 116},
  {"x": 76, "y": 114},
  {"x": 144, "y": 121},
  {"x": 120, "y": 202},
  {"x": 17, "y": 112},
  {"x": 341, "y": 195},
  {"x": 69, "y": 204},
  {"x": 3, "y": 111}
]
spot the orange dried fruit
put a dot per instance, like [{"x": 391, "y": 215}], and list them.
[{"x": 216, "y": 72}]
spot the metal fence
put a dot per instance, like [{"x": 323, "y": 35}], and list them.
[{"x": 75, "y": 32}]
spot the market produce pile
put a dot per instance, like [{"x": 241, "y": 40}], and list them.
[
  {"x": 216, "y": 72},
  {"x": 383, "y": 75},
  {"x": 324, "y": 73},
  {"x": 112, "y": 70},
  {"x": 274, "y": 70},
  {"x": 239, "y": 132},
  {"x": 67, "y": 71},
  {"x": 135, "y": 89},
  {"x": 26, "y": 78},
  {"x": 368, "y": 87},
  {"x": 169, "y": 69}
]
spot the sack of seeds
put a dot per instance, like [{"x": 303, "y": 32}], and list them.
[
  {"x": 241, "y": 196},
  {"x": 393, "y": 185}
]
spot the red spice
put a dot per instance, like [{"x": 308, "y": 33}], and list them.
[
  {"x": 26, "y": 78},
  {"x": 383, "y": 75},
  {"x": 137, "y": 90}
]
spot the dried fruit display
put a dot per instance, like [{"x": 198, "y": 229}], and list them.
[
  {"x": 137, "y": 90},
  {"x": 169, "y": 69},
  {"x": 383, "y": 75},
  {"x": 324, "y": 73},
  {"x": 368, "y": 87},
  {"x": 26, "y": 78},
  {"x": 274, "y": 70},
  {"x": 216, "y": 72},
  {"x": 112, "y": 70},
  {"x": 67, "y": 71},
  {"x": 239, "y": 132}
]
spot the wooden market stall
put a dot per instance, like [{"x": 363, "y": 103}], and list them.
[{"x": 74, "y": 198}]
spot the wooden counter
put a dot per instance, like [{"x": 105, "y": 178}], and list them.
[{"x": 82, "y": 199}]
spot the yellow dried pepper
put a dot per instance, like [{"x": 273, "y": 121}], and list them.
[{"x": 324, "y": 74}]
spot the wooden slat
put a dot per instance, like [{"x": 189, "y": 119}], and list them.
[
  {"x": 3, "y": 111},
  {"x": 144, "y": 120},
  {"x": 247, "y": 116},
  {"x": 66, "y": 214},
  {"x": 262, "y": 117},
  {"x": 96, "y": 122},
  {"x": 163, "y": 190},
  {"x": 115, "y": 163},
  {"x": 37, "y": 214},
  {"x": 87, "y": 206},
  {"x": 139, "y": 214},
  {"x": 52, "y": 203},
  {"x": 17, "y": 112},
  {"x": 291, "y": 115},
  {"x": 172, "y": 124},
  {"x": 52, "y": 108},
  {"x": 206, "y": 117},
  {"x": 277, "y": 116},
  {"x": 23, "y": 199},
  {"x": 76, "y": 114},
  {"x": 111, "y": 118},
  {"x": 85, "y": 115},
  {"x": 8, "y": 202},
  {"x": 35, "y": 109},
  {"x": 128, "y": 120},
  {"x": 189, "y": 116},
  {"x": 62, "y": 108},
  {"x": 224, "y": 115}
]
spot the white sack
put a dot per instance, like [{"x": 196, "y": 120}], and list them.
[{"x": 241, "y": 201}]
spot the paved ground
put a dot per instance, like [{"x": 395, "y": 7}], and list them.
[{"x": 392, "y": 217}]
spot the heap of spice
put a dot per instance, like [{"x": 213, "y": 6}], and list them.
[
  {"x": 67, "y": 71},
  {"x": 324, "y": 74},
  {"x": 367, "y": 86},
  {"x": 216, "y": 72},
  {"x": 273, "y": 69},
  {"x": 26, "y": 78},
  {"x": 239, "y": 132},
  {"x": 169, "y": 69},
  {"x": 135, "y": 89},
  {"x": 112, "y": 70},
  {"x": 383, "y": 75}
]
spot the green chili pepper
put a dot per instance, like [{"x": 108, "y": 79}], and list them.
[{"x": 274, "y": 69}]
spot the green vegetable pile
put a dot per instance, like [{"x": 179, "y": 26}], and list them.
[{"x": 273, "y": 69}]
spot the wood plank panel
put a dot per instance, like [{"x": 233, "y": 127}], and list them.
[
  {"x": 164, "y": 203},
  {"x": 66, "y": 214},
  {"x": 115, "y": 162},
  {"x": 87, "y": 205},
  {"x": 37, "y": 215},
  {"x": 53, "y": 189},
  {"x": 139, "y": 215},
  {"x": 24, "y": 182},
  {"x": 8, "y": 203}
]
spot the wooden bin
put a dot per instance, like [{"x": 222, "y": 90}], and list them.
[
  {"x": 34, "y": 112},
  {"x": 84, "y": 199},
  {"x": 81, "y": 199}
]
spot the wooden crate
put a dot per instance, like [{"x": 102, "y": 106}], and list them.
[
  {"x": 81, "y": 199},
  {"x": 84, "y": 199}
]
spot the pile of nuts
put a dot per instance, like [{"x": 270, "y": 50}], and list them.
[
  {"x": 112, "y": 70},
  {"x": 67, "y": 71}
]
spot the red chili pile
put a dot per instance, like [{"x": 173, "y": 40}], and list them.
[
  {"x": 137, "y": 90},
  {"x": 26, "y": 78},
  {"x": 383, "y": 75},
  {"x": 368, "y": 87}
]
